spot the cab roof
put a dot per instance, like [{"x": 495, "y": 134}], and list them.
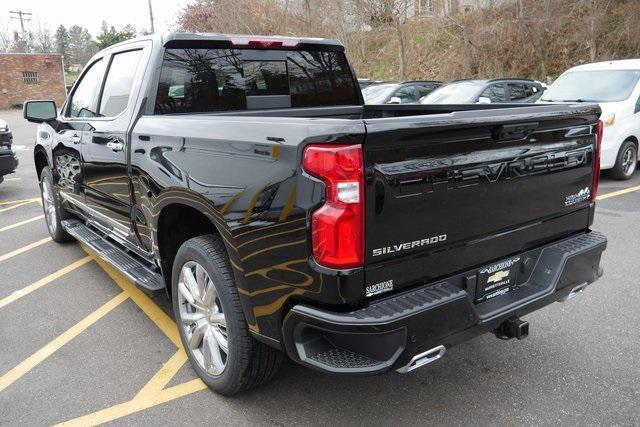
[
  {"x": 218, "y": 40},
  {"x": 248, "y": 41}
]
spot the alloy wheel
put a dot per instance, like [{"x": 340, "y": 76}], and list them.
[
  {"x": 202, "y": 318},
  {"x": 629, "y": 159},
  {"x": 48, "y": 205},
  {"x": 68, "y": 168}
]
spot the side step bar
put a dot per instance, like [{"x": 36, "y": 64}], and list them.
[{"x": 135, "y": 270}]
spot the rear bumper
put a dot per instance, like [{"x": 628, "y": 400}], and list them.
[
  {"x": 8, "y": 161},
  {"x": 6, "y": 137},
  {"x": 609, "y": 151},
  {"x": 389, "y": 333}
]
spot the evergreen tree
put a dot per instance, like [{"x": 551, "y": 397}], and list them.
[
  {"x": 81, "y": 46},
  {"x": 109, "y": 35},
  {"x": 62, "y": 43}
]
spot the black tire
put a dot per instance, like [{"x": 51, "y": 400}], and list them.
[
  {"x": 249, "y": 362},
  {"x": 57, "y": 233},
  {"x": 623, "y": 170}
]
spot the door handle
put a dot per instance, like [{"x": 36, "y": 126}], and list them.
[
  {"x": 75, "y": 139},
  {"x": 115, "y": 146}
]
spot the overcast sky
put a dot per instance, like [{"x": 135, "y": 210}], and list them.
[{"x": 90, "y": 13}]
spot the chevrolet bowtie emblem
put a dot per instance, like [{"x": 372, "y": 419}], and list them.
[{"x": 498, "y": 276}]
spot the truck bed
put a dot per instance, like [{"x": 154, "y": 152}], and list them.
[{"x": 484, "y": 181}]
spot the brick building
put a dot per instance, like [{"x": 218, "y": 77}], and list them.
[{"x": 30, "y": 76}]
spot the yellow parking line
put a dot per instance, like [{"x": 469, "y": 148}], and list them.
[
  {"x": 10, "y": 202},
  {"x": 137, "y": 405},
  {"x": 163, "y": 376},
  {"x": 153, "y": 392},
  {"x": 16, "y": 206},
  {"x": 39, "y": 356},
  {"x": 157, "y": 316},
  {"x": 180, "y": 390},
  {"x": 18, "y": 224},
  {"x": 618, "y": 193},
  {"x": 24, "y": 249},
  {"x": 44, "y": 281}
]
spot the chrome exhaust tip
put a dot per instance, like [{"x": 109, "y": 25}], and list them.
[
  {"x": 575, "y": 291},
  {"x": 422, "y": 359}
]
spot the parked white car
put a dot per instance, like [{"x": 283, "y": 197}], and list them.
[{"x": 615, "y": 86}]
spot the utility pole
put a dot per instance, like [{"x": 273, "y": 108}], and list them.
[
  {"x": 21, "y": 16},
  {"x": 22, "y": 43},
  {"x": 151, "y": 17}
]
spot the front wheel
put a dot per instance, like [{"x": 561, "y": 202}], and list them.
[
  {"x": 626, "y": 161},
  {"x": 54, "y": 213},
  {"x": 212, "y": 326}
]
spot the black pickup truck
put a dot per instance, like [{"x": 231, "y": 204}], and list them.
[
  {"x": 8, "y": 159},
  {"x": 245, "y": 176}
]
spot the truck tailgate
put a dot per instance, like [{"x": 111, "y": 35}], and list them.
[{"x": 447, "y": 192}]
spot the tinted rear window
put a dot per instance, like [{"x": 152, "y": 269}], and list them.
[{"x": 203, "y": 80}]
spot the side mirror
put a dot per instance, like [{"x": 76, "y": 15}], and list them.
[
  {"x": 484, "y": 100},
  {"x": 395, "y": 100},
  {"x": 39, "y": 111}
]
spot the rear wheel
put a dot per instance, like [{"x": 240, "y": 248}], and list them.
[
  {"x": 212, "y": 326},
  {"x": 626, "y": 161},
  {"x": 54, "y": 213}
]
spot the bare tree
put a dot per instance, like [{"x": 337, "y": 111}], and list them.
[
  {"x": 392, "y": 14},
  {"x": 5, "y": 37},
  {"x": 546, "y": 37},
  {"x": 386, "y": 40},
  {"x": 43, "y": 42},
  {"x": 597, "y": 10}
]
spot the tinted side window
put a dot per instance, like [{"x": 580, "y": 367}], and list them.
[
  {"x": 84, "y": 99},
  {"x": 517, "y": 91},
  {"x": 522, "y": 92},
  {"x": 496, "y": 93},
  {"x": 637, "y": 109},
  {"x": 117, "y": 87},
  {"x": 201, "y": 80},
  {"x": 320, "y": 78},
  {"x": 425, "y": 90},
  {"x": 407, "y": 94}
]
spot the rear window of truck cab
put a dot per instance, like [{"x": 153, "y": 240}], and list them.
[{"x": 207, "y": 80}]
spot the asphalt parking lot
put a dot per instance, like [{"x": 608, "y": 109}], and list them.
[{"x": 80, "y": 344}]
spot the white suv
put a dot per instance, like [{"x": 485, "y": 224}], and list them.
[{"x": 615, "y": 86}]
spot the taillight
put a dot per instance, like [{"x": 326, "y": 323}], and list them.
[
  {"x": 595, "y": 181},
  {"x": 337, "y": 227}
]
